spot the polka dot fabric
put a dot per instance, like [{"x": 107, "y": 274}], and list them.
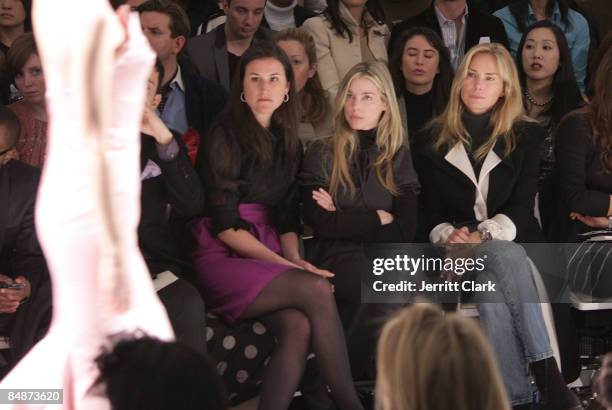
[{"x": 241, "y": 353}]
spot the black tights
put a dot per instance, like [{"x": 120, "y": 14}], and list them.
[{"x": 298, "y": 306}]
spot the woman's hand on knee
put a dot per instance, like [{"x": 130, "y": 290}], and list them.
[{"x": 309, "y": 267}]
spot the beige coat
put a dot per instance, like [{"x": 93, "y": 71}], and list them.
[{"x": 336, "y": 56}]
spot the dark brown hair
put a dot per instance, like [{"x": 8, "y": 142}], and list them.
[
  {"x": 249, "y": 132},
  {"x": 179, "y": 22},
  {"x": 21, "y": 49},
  {"x": 600, "y": 111},
  {"x": 566, "y": 93},
  {"x": 442, "y": 82}
]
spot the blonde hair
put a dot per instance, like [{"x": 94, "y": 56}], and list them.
[
  {"x": 506, "y": 112},
  {"x": 389, "y": 135},
  {"x": 427, "y": 361}
]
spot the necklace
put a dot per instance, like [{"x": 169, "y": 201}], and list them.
[{"x": 534, "y": 102}]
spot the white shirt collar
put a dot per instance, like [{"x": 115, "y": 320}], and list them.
[{"x": 178, "y": 79}]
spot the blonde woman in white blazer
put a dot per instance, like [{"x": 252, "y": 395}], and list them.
[{"x": 348, "y": 32}]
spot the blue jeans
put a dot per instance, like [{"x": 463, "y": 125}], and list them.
[{"x": 512, "y": 321}]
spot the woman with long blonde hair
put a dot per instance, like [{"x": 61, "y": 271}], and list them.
[
  {"x": 426, "y": 361},
  {"x": 359, "y": 186},
  {"x": 479, "y": 174}
]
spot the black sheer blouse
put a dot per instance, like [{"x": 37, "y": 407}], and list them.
[
  {"x": 356, "y": 218},
  {"x": 233, "y": 175}
]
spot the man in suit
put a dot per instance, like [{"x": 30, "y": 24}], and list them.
[
  {"x": 282, "y": 14},
  {"x": 171, "y": 193},
  {"x": 460, "y": 27},
  {"x": 189, "y": 102},
  {"x": 25, "y": 307},
  {"x": 216, "y": 54}
]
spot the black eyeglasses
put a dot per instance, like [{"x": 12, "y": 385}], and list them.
[{"x": 5, "y": 151}]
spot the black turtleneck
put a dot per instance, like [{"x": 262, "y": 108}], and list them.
[
  {"x": 367, "y": 138},
  {"x": 419, "y": 110},
  {"x": 478, "y": 126}
]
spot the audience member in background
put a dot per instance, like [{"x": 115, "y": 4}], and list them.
[
  {"x": 169, "y": 182},
  {"x": 460, "y": 27},
  {"x": 216, "y": 54},
  {"x": 603, "y": 384},
  {"x": 606, "y": 44},
  {"x": 347, "y": 33},
  {"x": 27, "y": 74},
  {"x": 282, "y": 14},
  {"x": 426, "y": 361},
  {"x": 479, "y": 180},
  {"x": 14, "y": 21},
  {"x": 359, "y": 186},
  {"x": 422, "y": 75},
  {"x": 189, "y": 382},
  {"x": 299, "y": 46},
  {"x": 318, "y": 6},
  {"x": 549, "y": 92},
  {"x": 189, "y": 102},
  {"x": 584, "y": 182},
  {"x": 25, "y": 312},
  {"x": 246, "y": 253},
  {"x": 523, "y": 13}
]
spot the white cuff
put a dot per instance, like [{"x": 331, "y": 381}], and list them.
[
  {"x": 500, "y": 226},
  {"x": 441, "y": 232}
]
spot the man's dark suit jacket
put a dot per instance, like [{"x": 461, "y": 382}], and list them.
[
  {"x": 204, "y": 99},
  {"x": 478, "y": 25},
  {"x": 209, "y": 53},
  {"x": 174, "y": 183},
  {"x": 300, "y": 14},
  {"x": 20, "y": 255}
]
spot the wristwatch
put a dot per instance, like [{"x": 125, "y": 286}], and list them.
[{"x": 485, "y": 234}]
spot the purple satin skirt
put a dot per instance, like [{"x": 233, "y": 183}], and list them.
[{"x": 228, "y": 281}]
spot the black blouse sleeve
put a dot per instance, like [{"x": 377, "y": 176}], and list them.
[
  {"x": 287, "y": 213},
  {"x": 341, "y": 224},
  {"x": 573, "y": 160},
  {"x": 221, "y": 170},
  {"x": 403, "y": 227}
]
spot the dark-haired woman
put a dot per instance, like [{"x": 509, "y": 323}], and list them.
[
  {"x": 247, "y": 256},
  {"x": 422, "y": 75},
  {"x": 523, "y": 13},
  {"x": 584, "y": 180},
  {"x": 27, "y": 74},
  {"x": 549, "y": 92},
  {"x": 348, "y": 32}
]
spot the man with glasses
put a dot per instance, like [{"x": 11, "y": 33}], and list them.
[{"x": 25, "y": 290}]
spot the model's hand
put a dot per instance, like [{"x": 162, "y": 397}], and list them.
[
  {"x": 324, "y": 199},
  {"x": 592, "y": 221}
]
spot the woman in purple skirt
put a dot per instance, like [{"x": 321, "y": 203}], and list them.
[{"x": 247, "y": 255}]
